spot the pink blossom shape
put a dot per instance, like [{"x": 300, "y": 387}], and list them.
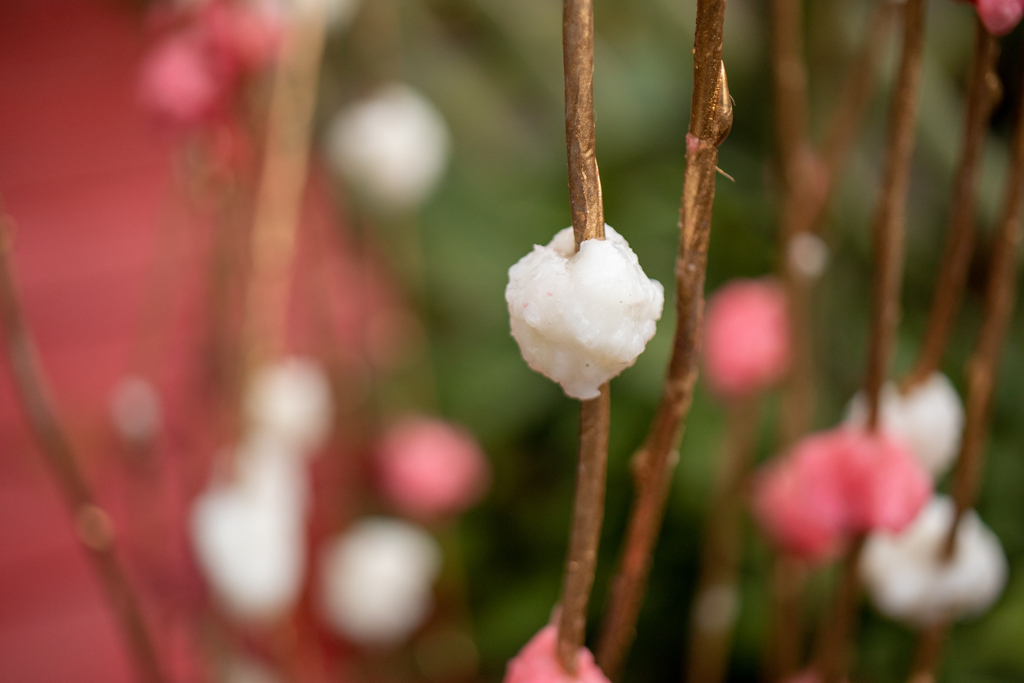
[
  {"x": 746, "y": 338},
  {"x": 430, "y": 468},
  {"x": 838, "y": 483},
  {"x": 537, "y": 662},
  {"x": 1000, "y": 16},
  {"x": 177, "y": 81}
]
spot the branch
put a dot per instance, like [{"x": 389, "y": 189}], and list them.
[
  {"x": 92, "y": 524},
  {"x": 1000, "y": 296},
  {"x": 716, "y": 602},
  {"x": 595, "y": 414},
  {"x": 890, "y": 218},
  {"x": 710, "y": 121},
  {"x": 283, "y": 182},
  {"x": 887, "y": 239},
  {"x": 983, "y": 93}
]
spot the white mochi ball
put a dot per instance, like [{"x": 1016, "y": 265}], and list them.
[
  {"x": 582, "y": 318},
  {"x": 249, "y": 534},
  {"x": 392, "y": 147},
  {"x": 907, "y": 579},
  {"x": 291, "y": 401},
  {"x": 930, "y": 419},
  {"x": 377, "y": 580},
  {"x": 135, "y": 410}
]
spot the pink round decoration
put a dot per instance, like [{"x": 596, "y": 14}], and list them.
[
  {"x": 430, "y": 468},
  {"x": 177, "y": 82},
  {"x": 537, "y": 662},
  {"x": 746, "y": 338},
  {"x": 1000, "y": 16},
  {"x": 838, "y": 483}
]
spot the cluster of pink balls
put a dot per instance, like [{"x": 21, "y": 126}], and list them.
[
  {"x": 194, "y": 72},
  {"x": 999, "y": 16}
]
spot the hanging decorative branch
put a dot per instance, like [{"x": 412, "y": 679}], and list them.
[
  {"x": 983, "y": 93},
  {"x": 283, "y": 183},
  {"x": 887, "y": 239},
  {"x": 92, "y": 524},
  {"x": 1000, "y": 298},
  {"x": 710, "y": 122},
  {"x": 595, "y": 414}
]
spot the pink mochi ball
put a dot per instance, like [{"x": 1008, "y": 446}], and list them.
[
  {"x": 538, "y": 662},
  {"x": 429, "y": 468},
  {"x": 746, "y": 338}
]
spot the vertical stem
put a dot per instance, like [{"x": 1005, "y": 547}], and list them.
[
  {"x": 578, "y": 62},
  {"x": 1000, "y": 296},
  {"x": 282, "y": 185},
  {"x": 890, "y": 218},
  {"x": 92, "y": 524},
  {"x": 716, "y": 601},
  {"x": 808, "y": 187},
  {"x": 710, "y": 121},
  {"x": 834, "y": 645},
  {"x": 595, "y": 414},
  {"x": 887, "y": 240},
  {"x": 982, "y": 94},
  {"x": 588, "y": 513}
]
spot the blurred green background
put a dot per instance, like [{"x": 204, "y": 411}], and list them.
[{"x": 494, "y": 67}]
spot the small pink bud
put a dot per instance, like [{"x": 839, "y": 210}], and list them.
[
  {"x": 746, "y": 338},
  {"x": 177, "y": 81},
  {"x": 430, "y": 468},
  {"x": 538, "y": 662},
  {"x": 1000, "y": 16}
]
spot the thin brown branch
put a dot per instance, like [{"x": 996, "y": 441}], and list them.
[
  {"x": 834, "y": 644},
  {"x": 890, "y": 218},
  {"x": 983, "y": 93},
  {"x": 588, "y": 514},
  {"x": 854, "y": 98},
  {"x": 282, "y": 185},
  {"x": 578, "y": 62},
  {"x": 710, "y": 121},
  {"x": 92, "y": 524},
  {"x": 887, "y": 240},
  {"x": 809, "y": 183},
  {"x": 716, "y": 600},
  {"x": 595, "y": 414}
]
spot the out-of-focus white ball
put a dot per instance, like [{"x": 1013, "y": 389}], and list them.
[
  {"x": 135, "y": 410},
  {"x": 249, "y": 534},
  {"x": 807, "y": 254},
  {"x": 930, "y": 418},
  {"x": 392, "y": 147},
  {"x": 291, "y": 400},
  {"x": 582, "y": 318},
  {"x": 377, "y": 580},
  {"x": 907, "y": 579}
]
